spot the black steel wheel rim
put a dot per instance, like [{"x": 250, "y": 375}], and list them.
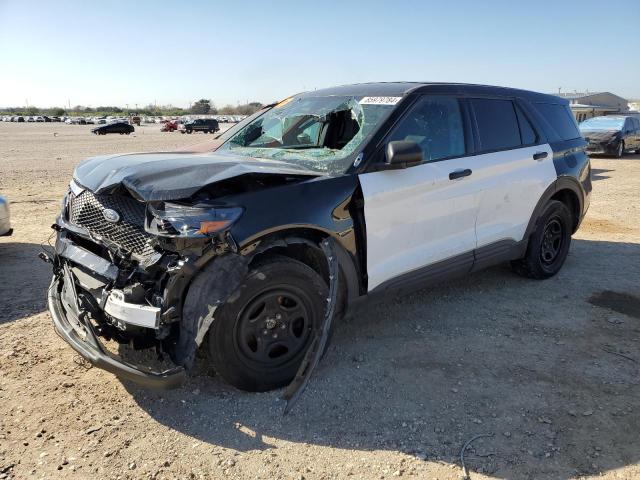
[
  {"x": 274, "y": 327},
  {"x": 552, "y": 241}
]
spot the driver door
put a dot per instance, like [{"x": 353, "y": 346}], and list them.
[{"x": 424, "y": 215}]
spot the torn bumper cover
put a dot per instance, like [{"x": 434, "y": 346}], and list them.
[
  {"x": 80, "y": 335},
  {"x": 73, "y": 324}
]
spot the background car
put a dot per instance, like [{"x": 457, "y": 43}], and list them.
[
  {"x": 5, "y": 222},
  {"x": 611, "y": 135},
  {"x": 206, "y": 125},
  {"x": 119, "y": 127},
  {"x": 169, "y": 126}
]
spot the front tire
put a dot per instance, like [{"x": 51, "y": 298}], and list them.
[
  {"x": 261, "y": 334},
  {"x": 620, "y": 149},
  {"x": 549, "y": 243}
]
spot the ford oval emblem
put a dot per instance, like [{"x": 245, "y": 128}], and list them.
[{"x": 111, "y": 216}]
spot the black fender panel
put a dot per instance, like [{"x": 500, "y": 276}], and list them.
[{"x": 321, "y": 207}]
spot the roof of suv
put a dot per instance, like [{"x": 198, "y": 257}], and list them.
[{"x": 402, "y": 88}]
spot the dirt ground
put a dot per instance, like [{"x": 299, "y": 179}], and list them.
[{"x": 550, "y": 369}]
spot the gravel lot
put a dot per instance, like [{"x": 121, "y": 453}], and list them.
[{"x": 550, "y": 369}]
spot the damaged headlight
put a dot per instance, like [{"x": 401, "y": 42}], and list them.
[{"x": 174, "y": 220}]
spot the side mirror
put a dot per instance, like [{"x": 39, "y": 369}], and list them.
[{"x": 403, "y": 154}]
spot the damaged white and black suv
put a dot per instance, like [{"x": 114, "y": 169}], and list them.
[{"x": 250, "y": 252}]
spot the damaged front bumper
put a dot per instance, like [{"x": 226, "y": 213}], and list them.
[
  {"x": 77, "y": 269},
  {"x": 89, "y": 347},
  {"x": 88, "y": 300}
]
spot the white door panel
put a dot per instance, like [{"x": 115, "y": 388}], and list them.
[
  {"x": 417, "y": 216},
  {"x": 511, "y": 184}
]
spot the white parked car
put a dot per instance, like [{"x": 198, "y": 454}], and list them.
[{"x": 5, "y": 221}]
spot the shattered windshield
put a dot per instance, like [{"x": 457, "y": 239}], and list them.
[{"x": 318, "y": 133}]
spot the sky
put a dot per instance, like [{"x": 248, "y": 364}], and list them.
[{"x": 112, "y": 52}]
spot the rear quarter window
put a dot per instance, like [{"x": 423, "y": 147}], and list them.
[{"x": 560, "y": 119}]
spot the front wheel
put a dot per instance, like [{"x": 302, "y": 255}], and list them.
[
  {"x": 260, "y": 336},
  {"x": 549, "y": 243},
  {"x": 620, "y": 149}
]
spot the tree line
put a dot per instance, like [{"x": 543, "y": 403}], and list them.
[{"x": 201, "y": 107}]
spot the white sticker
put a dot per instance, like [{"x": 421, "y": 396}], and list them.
[{"x": 380, "y": 100}]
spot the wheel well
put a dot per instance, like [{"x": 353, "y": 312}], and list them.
[
  {"x": 570, "y": 199},
  {"x": 303, "y": 246},
  {"x": 293, "y": 245}
]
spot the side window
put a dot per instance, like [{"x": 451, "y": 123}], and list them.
[
  {"x": 560, "y": 118},
  {"x": 434, "y": 123},
  {"x": 497, "y": 124},
  {"x": 628, "y": 125},
  {"x": 527, "y": 134}
]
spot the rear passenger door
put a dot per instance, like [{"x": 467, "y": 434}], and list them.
[{"x": 512, "y": 170}]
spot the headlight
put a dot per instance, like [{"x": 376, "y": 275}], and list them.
[{"x": 173, "y": 220}]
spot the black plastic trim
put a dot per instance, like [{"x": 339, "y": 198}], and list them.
[
  {"x": 425, "y": 276},
  {"x": 498, "y": 252}
]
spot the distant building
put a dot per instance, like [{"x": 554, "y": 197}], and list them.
[{"x": 589, "y": 104}]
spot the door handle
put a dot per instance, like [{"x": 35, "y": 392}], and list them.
[
  {"x": 540, "y": 155},
  {"x": 460, "y": 173}
]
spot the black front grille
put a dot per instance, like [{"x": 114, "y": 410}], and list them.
[{"x": 87, "y": 211}]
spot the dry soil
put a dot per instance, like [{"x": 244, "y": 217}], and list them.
[{"x": 550, "y": 369}]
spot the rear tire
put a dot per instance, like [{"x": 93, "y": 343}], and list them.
[
  {"x": 549, "y": 243},
  {"x": 261, "y": 334}
]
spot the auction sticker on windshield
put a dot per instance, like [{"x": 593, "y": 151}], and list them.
[{"x": 380, "y": 100}]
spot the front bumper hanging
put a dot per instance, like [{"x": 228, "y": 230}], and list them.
[
  {"x": 74, "y": 326},
  {"x": 92, "y": 350}
]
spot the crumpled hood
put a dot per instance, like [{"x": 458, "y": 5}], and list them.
[
  {"x": 172, "y": 176},
  {"x": 598, "y": 135}
]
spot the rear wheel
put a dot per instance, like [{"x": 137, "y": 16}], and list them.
[
  {"x": 548, "y": 245},
  {"x": 260, "y": 336}
]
